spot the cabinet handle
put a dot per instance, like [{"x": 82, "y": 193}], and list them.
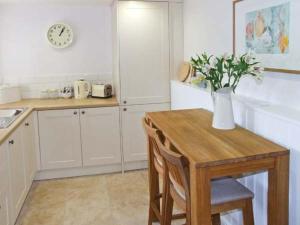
[
  {"x": 124, "y": 109},
  {"x": 75, "y": 113},
  {"x": 82, "y": 112},
  {"x": 11, "y": 142},
  {"x": 26, "y": 124},
  {"x": 125, "y": 102}
]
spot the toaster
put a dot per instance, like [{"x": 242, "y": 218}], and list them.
[{"x": 101, "y": 90}]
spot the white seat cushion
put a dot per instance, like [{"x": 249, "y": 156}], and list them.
[
  {"x": 222, "y": 191},
  {"x": 228, "y": 190}
]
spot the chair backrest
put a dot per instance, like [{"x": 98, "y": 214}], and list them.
[
  {"x": 152, "y": 132},
  {"x": 177, "y": 167}
]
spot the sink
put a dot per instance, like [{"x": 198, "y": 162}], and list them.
[{"x": 8, "y": 116}]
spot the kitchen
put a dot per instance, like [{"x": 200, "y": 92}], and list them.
[
  {"x": 77, "y": 79},
  {"x": 59, "y": 50}
]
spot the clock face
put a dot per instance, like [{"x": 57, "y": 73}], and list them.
[{"x": 60, "y": 35}]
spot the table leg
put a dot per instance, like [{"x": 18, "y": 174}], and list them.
[
  {"x": 278, "y": 194},
  {"x": 200, "y": 196}
]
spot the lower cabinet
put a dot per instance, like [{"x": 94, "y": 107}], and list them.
[
  {"x": 134, "y": 141},
  {"x": 76, "y": 138},
  {"x": 4, "y": 187},
  {"x": 100, "y": 136},
  {"x": 60, "y": 145},
  {"x": 28, "y": 143},
  {"x": 17, "y": 172},
  {"x": 4, "y": 209}
]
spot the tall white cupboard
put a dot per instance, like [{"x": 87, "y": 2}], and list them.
[{"x": 148, "y": 48}]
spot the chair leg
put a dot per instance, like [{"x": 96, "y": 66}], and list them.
[
  {"x": 248, "y": 213},
  {"x": 216, "y": 219},
  {"x": 168, "y": 211},
  {"x": 154, "y": 193}
]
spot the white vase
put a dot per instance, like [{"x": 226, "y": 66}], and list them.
[{"x": 223, "y": 113}]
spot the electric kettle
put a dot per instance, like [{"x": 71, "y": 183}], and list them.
[{"x": 82, "y": 89}]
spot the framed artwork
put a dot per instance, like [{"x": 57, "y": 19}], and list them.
[{"x": 270, "y": 29}]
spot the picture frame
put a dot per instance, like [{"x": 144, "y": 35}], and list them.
[{"x": 269, "y": 29}]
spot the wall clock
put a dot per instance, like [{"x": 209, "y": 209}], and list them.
[{"x": 60, "y": 35}]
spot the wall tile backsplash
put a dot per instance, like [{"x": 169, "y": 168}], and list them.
[{"x": 31, "y": 86}]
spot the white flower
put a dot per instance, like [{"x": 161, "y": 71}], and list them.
[
  {"x": 235, "y": 61},
  {"x": 258, "y": 73},
  {"x": 261, "y": 70},
  {"x": 213, "y": 62},
  {"x": 226, "y": 56},
  {"x": 206, "y": 68},
  {"x": 249, "y": 57}
]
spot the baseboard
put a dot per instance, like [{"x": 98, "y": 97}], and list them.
[
  {"x": 76, "y": 172},
  {"x": 135, "y": 165}
]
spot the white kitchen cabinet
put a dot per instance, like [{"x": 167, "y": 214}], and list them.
[
  {"x": 134, "y": 140},
  {"x": 17, "y": 174},
  {"x": 60, "y": 144},
  {"x": 28, "y": 140},
  {"x": 100, "y": 136},
  {"x": 176, "y": 37},
  {"x": 4, "y": 186},
  {"x": 144, "y": 65},
  {"x": 4, "y": 209}
]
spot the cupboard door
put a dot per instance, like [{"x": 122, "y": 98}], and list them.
[
  {"x": 4, "y": 216},
  {"x": 17, "y": 172},
  {"x": 133, "y": 135},
  {"x": 60, "y": 143},
  {"x": 4, "y": 187},
  {"x": 176, "y": 38},
  {"x": 144, "y": 52},
  {"x": 28, "y": 140},
  {"x": 100, "y": 132}
]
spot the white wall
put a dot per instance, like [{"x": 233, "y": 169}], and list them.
[
  {"x": 27, "y": 59},
  {"x": 208, "y": 28}
]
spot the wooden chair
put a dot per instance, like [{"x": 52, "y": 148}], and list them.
[
  {"x": 226, "y": 194},
  {"x": 156, "y": 168}
]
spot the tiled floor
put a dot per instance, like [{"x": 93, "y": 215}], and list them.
[{"x": 113, "y": 199}]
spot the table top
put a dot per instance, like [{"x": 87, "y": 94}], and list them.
[{"x": 192, "y": 134}]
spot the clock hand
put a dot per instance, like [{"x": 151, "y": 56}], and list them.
[{"x": 62, "y": 31}]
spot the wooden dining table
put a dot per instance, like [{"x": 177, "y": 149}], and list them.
[{"x": 216, "y": 153}]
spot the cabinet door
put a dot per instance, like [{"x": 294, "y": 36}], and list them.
[
  {"x": 28, "y": 140},
  {"x": 60, "y": 144},
  {"x": 144, "y": 52},
  {"x": 133, "y": 135},
  {"x": 4, "y": 187},
  {"x": 100, "y": 132},
  {"x": 4, "y": 216},
  {"x": 17, "y": 172}
]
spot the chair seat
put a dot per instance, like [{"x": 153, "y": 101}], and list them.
[
  {"x": 228, "y": 190},
  {"x": 222, "y": 191}
]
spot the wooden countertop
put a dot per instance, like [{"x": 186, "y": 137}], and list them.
[
  {"x": 190, "y": 131},
  {"x": 50, "y": 104}
]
